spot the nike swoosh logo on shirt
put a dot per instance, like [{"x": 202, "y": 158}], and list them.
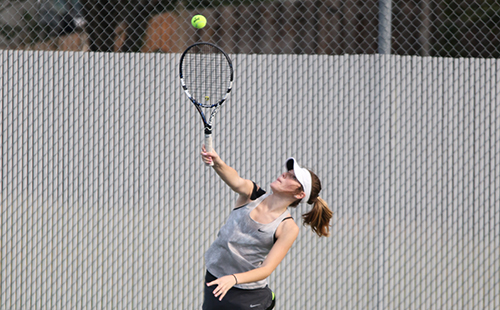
[
  {"x": 253, "y": 306},
  {"x": 261, "y": 230}
]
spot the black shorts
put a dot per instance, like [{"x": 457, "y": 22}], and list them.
[{"x": 237, "y": 299}]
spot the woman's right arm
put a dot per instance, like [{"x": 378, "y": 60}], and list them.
[{"x": 230, "y": 176}]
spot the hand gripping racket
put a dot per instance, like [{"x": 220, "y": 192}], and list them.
[{"x": 206, "y": 74}]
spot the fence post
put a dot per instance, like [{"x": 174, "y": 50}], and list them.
[{"x": 384, "y": 28}]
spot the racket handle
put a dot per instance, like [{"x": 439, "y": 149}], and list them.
[{"x": 208, "y": 146}]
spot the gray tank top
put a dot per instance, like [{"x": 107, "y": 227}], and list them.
[{"x": 242, "y": 244}]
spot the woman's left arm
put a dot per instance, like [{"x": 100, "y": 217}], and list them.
[{"x": 288, "y": 233}]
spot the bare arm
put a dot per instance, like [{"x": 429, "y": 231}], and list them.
[
  {"x": 288, "y": 234},
  {"x": 230, "y": 176}
]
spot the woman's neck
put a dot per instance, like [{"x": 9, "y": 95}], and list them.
[{"x": 276, "y": 203}]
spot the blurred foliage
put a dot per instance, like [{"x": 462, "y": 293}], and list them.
[
  {"x": 469, "y": 29},
  {"x": 195, "y": 4},
  {"x": 447, "y": 28}
]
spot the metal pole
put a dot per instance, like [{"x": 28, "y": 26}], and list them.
[
  {"x": 384, "y": 28},
  {"x": 425, "y": 32}
]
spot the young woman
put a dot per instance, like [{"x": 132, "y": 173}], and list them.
[{"x": 257, "y": 235}]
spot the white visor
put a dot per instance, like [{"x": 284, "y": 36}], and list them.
[{"x": 302, "y": 175}]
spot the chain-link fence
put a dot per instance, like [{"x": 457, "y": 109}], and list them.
[
  {"x": 105, "y": 203},
  {"x": 448, "y": 28}
]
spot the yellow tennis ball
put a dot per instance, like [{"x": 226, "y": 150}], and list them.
[{"x": 198, "y": 21}]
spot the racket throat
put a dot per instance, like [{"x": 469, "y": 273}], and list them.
[{"x": 208, "y": 130}]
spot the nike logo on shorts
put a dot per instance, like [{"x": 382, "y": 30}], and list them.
[{"x": 253, "y": 306}]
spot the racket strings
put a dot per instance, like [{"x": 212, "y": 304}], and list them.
[{"x": 207, "y": 75}]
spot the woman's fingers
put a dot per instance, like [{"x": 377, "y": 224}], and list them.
[
  {"x": 218, "y": 290},
  {"x": 222, "y": 296},
  {"x": 224, "y": 284},
  {"x": 205, "y": 156}
]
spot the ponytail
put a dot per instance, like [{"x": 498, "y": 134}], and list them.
[
  {"x": 320, "y": 215},
  {"x": 319, "y": 218}
]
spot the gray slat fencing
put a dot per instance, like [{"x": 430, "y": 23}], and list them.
[{"x": 105, "y": 203}]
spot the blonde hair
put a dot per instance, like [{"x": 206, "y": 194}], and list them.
[{"x": 318, "y": 218}]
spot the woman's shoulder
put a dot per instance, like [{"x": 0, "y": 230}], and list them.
[
  {"x": 287, "y": 228},
  {"x": 257, "y": 192}
]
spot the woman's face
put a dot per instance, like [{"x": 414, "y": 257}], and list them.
[{"x": 286, "y": 183}]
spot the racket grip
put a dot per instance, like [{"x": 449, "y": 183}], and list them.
[{"x": 208, "y": 146}]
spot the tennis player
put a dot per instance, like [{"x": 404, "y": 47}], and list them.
[{"x": 257, "y": 235}]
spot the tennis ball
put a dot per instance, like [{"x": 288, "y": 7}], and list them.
[{"x": 198, "y": 21}]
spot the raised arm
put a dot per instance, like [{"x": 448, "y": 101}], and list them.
[{"x": 230, "y": 176}]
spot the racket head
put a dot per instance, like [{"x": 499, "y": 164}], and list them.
[{"x": 206, "y": 74}]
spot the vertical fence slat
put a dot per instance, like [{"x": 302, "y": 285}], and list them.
[{"x": 103, "y": 202}]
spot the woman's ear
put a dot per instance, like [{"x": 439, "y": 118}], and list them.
[{"x": 301, "y": 195}]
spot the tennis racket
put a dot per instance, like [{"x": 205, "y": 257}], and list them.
[{"x": 206, "y": 73}]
